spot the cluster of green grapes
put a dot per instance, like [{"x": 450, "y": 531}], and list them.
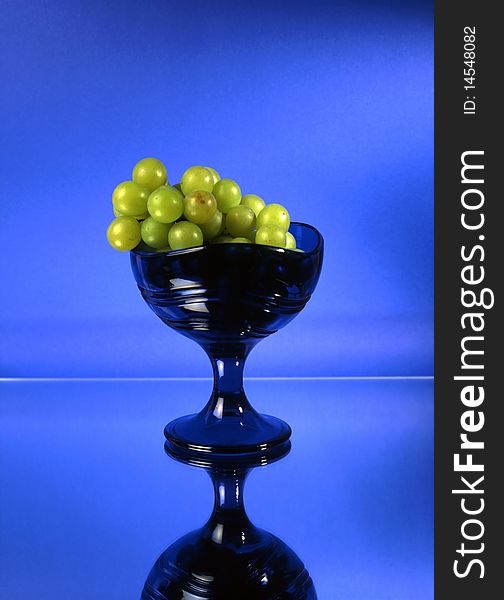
[{"x": 202, "y": 208}]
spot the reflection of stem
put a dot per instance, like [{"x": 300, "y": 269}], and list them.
[
  {"x": 229, "y": 523},
  {"x": 228, "y": 488}
]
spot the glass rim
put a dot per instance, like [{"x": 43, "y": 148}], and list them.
[{"x": 203, "y": 248}]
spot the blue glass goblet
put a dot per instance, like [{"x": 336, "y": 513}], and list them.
[{"x": 227, "y": 297}]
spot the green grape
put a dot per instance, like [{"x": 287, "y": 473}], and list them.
[
  {"x": 227, "y": 193},
  {"x": 274, "y": 214},
  {"x": 290, "y": 241},
  {"x": 149, "y": 173},
  {"x": 184, "y": 235},
  {"x": 155, "y": 234},
  {"x": 144, "y": 216},
  {"x": 124, "y": 233},
  {"x": 130, "y": 199},
  {"x": 116, "y": 212},
  {"x": 270, "y": 235},
  {"x": 212, "y": 228},
  {"x": 165, "y": 249},
  {"x": 166, "y": 204},
  {"x": 240, "y": 221},
  {"x": 254, "y": 202},
  {"x": 222, "y": 239},
  {"x": 199, "y": 207},
  {"x": 215, "y": 174},
  {"x": 241, "y": 240},
  {"x": 197, "y": 179}
]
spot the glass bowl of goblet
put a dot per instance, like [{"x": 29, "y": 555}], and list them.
[{"x": 227, "y": 297}]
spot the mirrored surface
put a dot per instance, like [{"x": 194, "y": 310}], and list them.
[{"x": 89, "y": 499}]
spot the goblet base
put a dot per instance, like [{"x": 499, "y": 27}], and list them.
[{"x": 246, "y": 438}]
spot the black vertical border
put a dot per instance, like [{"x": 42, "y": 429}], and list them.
[{"x": 454, "y": 134}]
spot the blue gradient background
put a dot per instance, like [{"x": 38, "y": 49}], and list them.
[{"x": 324, "y": 106}]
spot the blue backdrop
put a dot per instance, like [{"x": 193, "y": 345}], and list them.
[{"x": 326, "y": 107}]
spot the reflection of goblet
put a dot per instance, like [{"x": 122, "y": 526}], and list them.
[
  {"x": 229, "y": 558},
  {"x": 227, "y": 297}
]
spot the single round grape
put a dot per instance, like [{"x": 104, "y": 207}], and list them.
[
  {"x": 241, "y": 240},
  {"x": 270, "y": 235},
  {"x": 149, "y": 173},
  {"x": 166, "y": 204},
  {"x": 227, "y": 193},
  {"x": 184, "y": 235},
  {"x": 240, "y": 221},
  {"x": 155, "y": 234},
  {"x": 196, "y": 179},
  {"x": 130, "y": 199},
  {"x": 215, "y": 174},
  {"x": 124, "y": 233},
  {"x": 199, "y": 207},
  {"x": 254, "y": 202},
  {"x": 213, "y": 228},
  {"x": 274, "y": 214},
  {"x": 290, "y": 241}
]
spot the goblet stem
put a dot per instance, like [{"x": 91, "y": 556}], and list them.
[
  {"x": 228, "y": 397},
  {"x": 227, "y": 428}
]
